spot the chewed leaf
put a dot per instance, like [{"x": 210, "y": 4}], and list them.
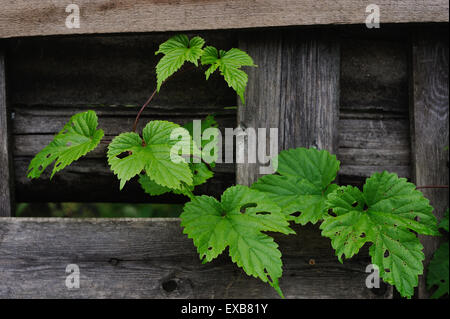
[
  {"x": 303, "y": 183},
  {"x": 438, "y": 271},
  {"x": 78, "y": 137},
  {"x": 384, "y": 214},
  {"x": 237, "y": 222},
  {"x": 129, "y": 155}
]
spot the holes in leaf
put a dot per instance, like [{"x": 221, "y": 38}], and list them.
[
  {"x": 387, "y": 270},
  {"x": 355, "y": 204},
  {"x": 58, "y": 164},
  {"x": 386, "y": 254},
  {"x": 123, "y": 155},
  {"x": 363, "y": 235},
  {"x": 48, "y": 155},
  {"x": 296, "y": 214},
  {"x": 244, "y": 207},
  {"x": 40, "y": 168},
  {"x": 331, "y": 213},
  {"x": 365, "y": 208},
  {"x": 262, "y": 213}
]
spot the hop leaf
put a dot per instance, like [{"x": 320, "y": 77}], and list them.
[
  {"x": 129, "y": 154},
  {"x": 229, "y": 63},
  {"x": 237, "y": 222},
  {"x": 78, "y": 137},
  {"x": 444, "y": 222},
  {"x": 438, "y": 267},
  {"x": 177, "y": 50},
  {"x": 384, "y": 214},
  {"x": 200, "y": 171},
  {"x": 303, "y": 184},
  {"x": 438, "y": 272},
  {"x": 200, "y": 174},
  {"x": 151, "y": 187}
]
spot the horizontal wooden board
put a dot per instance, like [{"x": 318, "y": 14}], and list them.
[
  {"x": 141, "y": 258},
  {"x": 46, "y": 17}
]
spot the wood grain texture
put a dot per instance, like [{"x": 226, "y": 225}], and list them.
[
  {"x": 295, "y": 89},
  {"x": 46, "y": 17},
  {"x": 137, "y": 258},
  {"x": 430, "y": 125},
  {"x": 374, "y": 132},
  {"x": 6, "y": 173}
]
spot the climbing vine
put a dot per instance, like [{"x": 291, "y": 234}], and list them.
[{"x": 386, "y": 214}]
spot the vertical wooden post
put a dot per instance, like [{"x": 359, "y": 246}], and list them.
[
  {"x": 6, "y": 189},
  {"x": 429, "y": 127},
  {"x": 295, "y": 88}
]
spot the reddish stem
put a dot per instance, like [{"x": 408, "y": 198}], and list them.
[
  {"x": 151, "y": 98},
  {"x": 142, "y": 109}
]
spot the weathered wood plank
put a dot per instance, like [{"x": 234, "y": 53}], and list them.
[
  {"x": 430, "y": 125},
  {"x": 374, "y": 72},
  {"x": 6, "y": 172},
  {"x": 151, "y": 258},
  {"x": 46, "y": 17},
  {"x": 374, "y": 132},
  {"x": 294, "y": 89},
  {"x": 367, "y": 146}
]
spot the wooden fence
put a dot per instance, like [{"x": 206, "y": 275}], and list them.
[{"x": 378, "y": 98}]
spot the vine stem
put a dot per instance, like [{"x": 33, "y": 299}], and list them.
[
  {"x": 142, "y": 109},
  {"x": 153, "y": 95},
  {"x": 432, "y": 186}
]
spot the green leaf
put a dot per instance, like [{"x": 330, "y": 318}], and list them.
[
  {"x": 207, "y": 146},
  {"x": 200, "y": 173},
  {"x": 438, "y": 271},
  {"x": 177, "y": 50},
  {"x": 129, "y": 154},
  {"x": 78, "y": 137},
  {"x": 444, "y": 222},
  {"x": 237, "y": 222},
  {"x": 229, "y": 63},
  {"x": 151, "y": 187},
  {"x": 383, "y": 214},
  {"x": 303, "y": 184}
]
